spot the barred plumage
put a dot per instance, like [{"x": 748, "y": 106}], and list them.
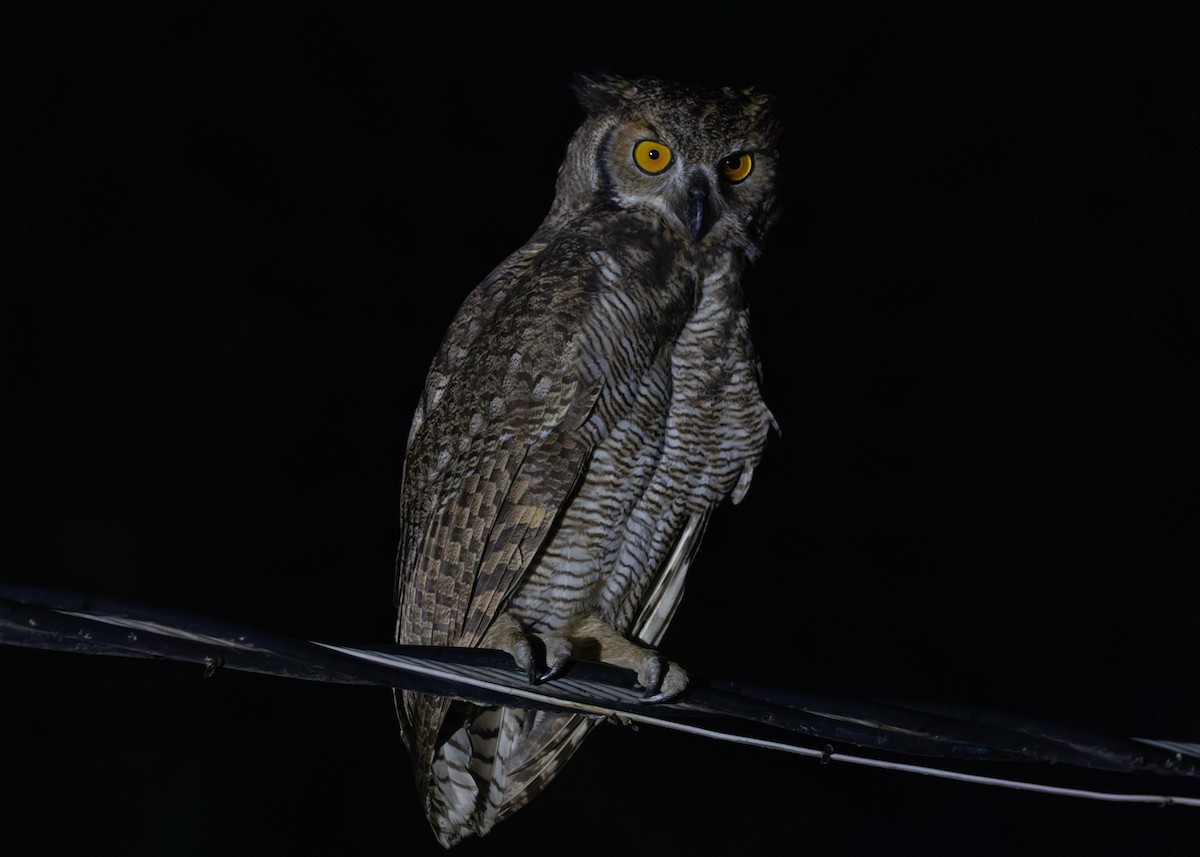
[{"x": 593, "y": 400}]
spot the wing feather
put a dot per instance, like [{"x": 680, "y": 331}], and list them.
[{"x": 546, "y": 356}]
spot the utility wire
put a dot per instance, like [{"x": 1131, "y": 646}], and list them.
[{"x": 789, "y": 721}]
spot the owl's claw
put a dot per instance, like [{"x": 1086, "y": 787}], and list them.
[
  {"x": 650, "y": 675},
  {"x": 529, "y": 651},
  {"x": 522, "y": 653},
  {"x": 533, "y": 650},
  {"x": 557, "y": 656},
  {"x": 662, "y": 679},
  {"x": 507, "y": 635}
]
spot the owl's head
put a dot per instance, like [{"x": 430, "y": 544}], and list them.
[{"x": 704, "y": 160}]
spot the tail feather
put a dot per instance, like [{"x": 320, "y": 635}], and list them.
[
  {"x": 451, "y": 801},
  {"x": 552, "y": 740},
  {"x": 486, "y": 765}
]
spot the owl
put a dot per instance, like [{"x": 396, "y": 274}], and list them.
[{"x": 593, "y": 400}]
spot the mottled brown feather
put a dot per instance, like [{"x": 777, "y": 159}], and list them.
[{"x": 592, "y": 401}]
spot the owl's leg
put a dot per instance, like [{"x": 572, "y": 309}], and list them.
[
  {"x": 661, "y": 678},
  {"x": 508, "y": 634}
]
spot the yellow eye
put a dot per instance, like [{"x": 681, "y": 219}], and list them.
[
  {"x": 737, "y": 167},
  {"x": 651, "y": 157}
]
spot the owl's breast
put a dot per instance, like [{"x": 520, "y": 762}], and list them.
[
  {"x": 679, "y": 427},
  {"x": 717, "y": 422}
]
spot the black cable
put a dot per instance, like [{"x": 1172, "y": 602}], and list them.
[{"x": 89, "y": 624}]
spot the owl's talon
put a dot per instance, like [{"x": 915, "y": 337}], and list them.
[
  {"x": 660, "y": 678},
  {"x": 522, "y": 654},
  {"x": 672, "y": 683},
  {"x": 558, "y": 655},
  {"x": 507, "y": 635},
  {"x": 650, "y": 676},
  {"x": 529, "y": 651}
]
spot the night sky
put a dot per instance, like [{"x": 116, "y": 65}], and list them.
[{"x": 230, "y": 242}]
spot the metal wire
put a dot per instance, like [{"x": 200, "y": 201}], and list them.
[{"x": 789, "y": 721}]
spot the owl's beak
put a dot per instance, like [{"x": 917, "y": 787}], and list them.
[{"x": 696, "y": 212}]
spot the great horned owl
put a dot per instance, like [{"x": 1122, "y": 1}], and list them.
[{"x": 592, "y": 401}]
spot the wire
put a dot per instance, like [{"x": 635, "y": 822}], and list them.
[{"x": 768, "y": 718}]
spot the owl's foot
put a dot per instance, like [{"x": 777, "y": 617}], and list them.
[
  {"x": 661, "y": 678},
  {"x": 541, "y": 656}
]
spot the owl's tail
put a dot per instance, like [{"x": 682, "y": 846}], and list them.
[{"x": 489, "y": 763}]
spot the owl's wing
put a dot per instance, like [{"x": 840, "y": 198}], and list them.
[
  {"x": 497, "y": 446},
  {"x": 485, "y": 521},
  {"x": 659, "y": 604}
]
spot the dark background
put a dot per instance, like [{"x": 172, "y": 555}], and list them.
[{"x": 231, "y": 241}]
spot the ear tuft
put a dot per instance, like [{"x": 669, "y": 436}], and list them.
[
  {"x": 598, "y": 90},
  {"x": 759, "y": 102},
  {"x": 763, "y": 108}
]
